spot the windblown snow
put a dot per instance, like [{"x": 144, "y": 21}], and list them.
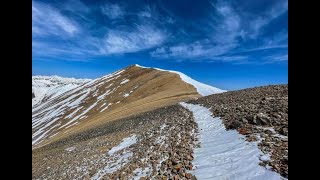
[
  {"x": 126, "y": 142},
  {"x": 203, "y": 89},
  {"x": 120, "y": 158},
  {"x": 225, "y": 154},
  {"x": 52, "y": 86},
  {"x": 49, "y": 114}
]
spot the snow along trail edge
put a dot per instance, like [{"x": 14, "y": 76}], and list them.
[{"x": 224, "y": 154}]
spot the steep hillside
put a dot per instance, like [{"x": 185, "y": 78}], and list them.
[
  {"x": 124, "y": 93},
  {"x": 45, "y": 88}
]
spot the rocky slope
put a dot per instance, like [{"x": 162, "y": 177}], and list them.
[
  {"x": 261, "y": 114},
  {"x": 124, "y": 93},
  {"x": 154, "y": 145},
  {"x": 45, "y": 88}
]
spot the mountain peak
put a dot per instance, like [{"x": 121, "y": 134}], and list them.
[
  {"x": 63, "y": 105},
  {"x": 203, "y": 89}
]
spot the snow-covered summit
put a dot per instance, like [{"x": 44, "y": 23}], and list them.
[{"x": 203, "y": 89}]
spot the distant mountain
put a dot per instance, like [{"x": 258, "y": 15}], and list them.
[
  {"x": 65, "y": 106},
  {"x": 46, "y": 87}
]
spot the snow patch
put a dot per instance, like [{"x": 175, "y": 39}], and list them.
[
  {"x": 124, "y": 81},
  {"x": 265, "y": 158},
  {"x": 106, "y": 107},
  {"x": 112, "y": 167},
  {"x": 139, "y": 172},
  {"x": 126, "y": 142},
  {"x": 70, "y": 149}
]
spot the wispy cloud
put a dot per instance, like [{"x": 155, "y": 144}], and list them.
[
  {"x": 223, "y": 39},
  {"x": 142, "y": 37},
  {"x": 277, "y": 58},
  {"x": 257, "y": 24},
  {"x": 48, "y": 21},
  {"x": 74, "y": 41},
  {"x": 228, "y": 27},
  {"x": 75, "y": 31},
  {"x": 146, "y": 13},
  {"x": 190, "y": 51},
  {"x": 113, "y": 11}
]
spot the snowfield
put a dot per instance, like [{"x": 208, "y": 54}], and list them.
[
  {"x": 225, "y": 154},
  {"x": 52, "y": 86}
]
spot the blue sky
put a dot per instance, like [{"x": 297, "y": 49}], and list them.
[{"x": 228, "y": 44}]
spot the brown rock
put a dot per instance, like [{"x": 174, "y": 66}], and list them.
[
  {"x": 193, "y": 177},
  {"x": 176, "y": 177},
  {"x": 188, "y": 175},
  {"x": 243, "y": 131},
  {"x": 189, "y": 167},
  {"x": 174, "y": 161},
  {"x": 178, "y": 167},
  {"x": 189, "y": 158}
]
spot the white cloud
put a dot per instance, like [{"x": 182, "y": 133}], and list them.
[
  {"x": 140, "y": 38},
  {"x": 262, "y": 48},
  {"x": 258, "y": 23},
  {"x": 191, "y": 51},
  {"x": 55, "y": 35},
  {"x": 112, "y": 11},
  {"x": 227, "y": 31},
  {"x": 277, "y": 58},
  {"x": 146, "y": 13},
  {"x": 230, "y": 58},
  {"x": 223, "y": 39},
  {"x": 48, "y": 21}
]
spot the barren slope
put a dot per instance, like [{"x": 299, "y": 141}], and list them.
[{"x": 124, "y": 93}]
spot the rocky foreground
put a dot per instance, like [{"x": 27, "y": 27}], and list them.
[
  {"x": 160, "y": 144},
  {"x": 259, "y": 113},
  {"x": 163, "y": 149}
]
